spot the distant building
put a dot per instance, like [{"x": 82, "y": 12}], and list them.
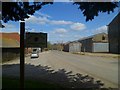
[
  {"x": 10, "y": 45},
  {"x": 66, "y": 47},
  {"x": 58, "y": 46},
  {"x": 114, "y": 35},
  {"x": 75, "y": 47},
  {"x": 95, "y": 43}
]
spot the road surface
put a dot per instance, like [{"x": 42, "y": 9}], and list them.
[{"x": 105, "y": 69}]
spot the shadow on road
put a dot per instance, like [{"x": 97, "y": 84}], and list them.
[{"x": 44, "y": 73}]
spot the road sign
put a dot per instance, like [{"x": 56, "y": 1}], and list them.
[{"x": 36, "y": 39}]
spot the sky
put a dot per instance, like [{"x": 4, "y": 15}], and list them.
[{"x": 63, "y": 22}]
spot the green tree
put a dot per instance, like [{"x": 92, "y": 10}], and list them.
[
  {"x": 92, "y": 9},
  {"x": 16, "y": 11},
  {"x": 49, "y": 45}
]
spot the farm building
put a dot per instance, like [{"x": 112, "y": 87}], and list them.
[
  {"x": 95, "y": 43},
  {"x": 75, "y": 47},
  {"x": 66, "y": 47},
  {"x": 72, "y": 47},
  {"x": 10, "y": 45},
  {"x": 114, "y": 35}
]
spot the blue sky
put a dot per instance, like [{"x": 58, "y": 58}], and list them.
[{"x": 63, "y": 22}]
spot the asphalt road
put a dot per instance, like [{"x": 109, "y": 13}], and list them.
[{"x": 102, "y": 68}]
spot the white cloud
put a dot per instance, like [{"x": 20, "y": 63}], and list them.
[
  {"x": 9, "y": 25},
  {"x": 9, "y": 28},
  {"x": 43, "y": 15},
  {"x": 61, "y": 35},
  {"x": 45, "y": 20},
  {"x": 60, "y": 22},
  {"x": 60, "y": 31},
  {"x": 41, "y": 19},
  {"x": 37, "y": 20},
  {"x": 31, "y": 19},
  {"x": 78, "y": 26},
  {"x": 101, "y": 29}
]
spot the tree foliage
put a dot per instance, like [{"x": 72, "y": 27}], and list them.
[
  {"x": 16, "y": 11},
  {"x": 49, "y": 45},
  {"x": 91, "y": 9}
]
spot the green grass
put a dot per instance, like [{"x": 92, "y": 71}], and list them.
[{"x": 15, "y": 83}]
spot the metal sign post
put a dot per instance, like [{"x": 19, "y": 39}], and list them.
[
  {"x": 22, "y": 31},
  {"x": 32, "y": 40}
]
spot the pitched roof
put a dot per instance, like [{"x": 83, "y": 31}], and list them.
[
  {"x": 115, "y": 18},
  {"x": 14, "y": 36},
  {"x": 8, "y": 40},
  {"x": 90, "y": 36}
]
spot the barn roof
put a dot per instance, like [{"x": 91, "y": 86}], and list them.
[
  {"x": 114, "y": 20},
  {"x": 91, "y": 36},
  {"x": 9, "y": 40}
]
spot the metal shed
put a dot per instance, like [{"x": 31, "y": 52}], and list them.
[
  {"x": 95, "y": 43},
  {"x": 66, "y": 47},
  {"x": 100, "y": 47},
  {"x": 75, "y": 47},
  {"x": 114, "y": 35}
]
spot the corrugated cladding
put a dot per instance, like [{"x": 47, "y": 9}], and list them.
[
  {"x": 114, "y": 35},
  {"x": 75, "y": 47},
  {"x": 66, "y": 47},
  {"x": 100, "y": 47},
  {"x": 87, "y": 43}
]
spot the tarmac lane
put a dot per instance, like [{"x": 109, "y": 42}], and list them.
[{"x": 100, "y": 68}]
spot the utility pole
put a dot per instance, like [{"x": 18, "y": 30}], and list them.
[{"x": 22, "y": 64}]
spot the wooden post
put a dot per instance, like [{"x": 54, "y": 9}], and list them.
[{"x": 22, "y": 31}]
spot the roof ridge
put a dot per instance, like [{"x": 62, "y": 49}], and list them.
[
  {"x": 9, "y": 33},
  {"x": 91, "y": 36},
  {"x": 13, "y": 36}
]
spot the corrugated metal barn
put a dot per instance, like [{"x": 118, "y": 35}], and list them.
[
  {"x": 100, "y": 47},
  {"x": 75, "y": 47},
  {"x": 114, "y": 35},
  {"x": 72, "y": 47},
  {"x": 10, "y": 45},
  {"x": 95, "y": 43},
  {"x": 66, "y": 47}
]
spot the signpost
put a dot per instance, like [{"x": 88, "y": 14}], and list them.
[
  {"x": 22, "y": 31},
  {"x": 32, "y": 40}
]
